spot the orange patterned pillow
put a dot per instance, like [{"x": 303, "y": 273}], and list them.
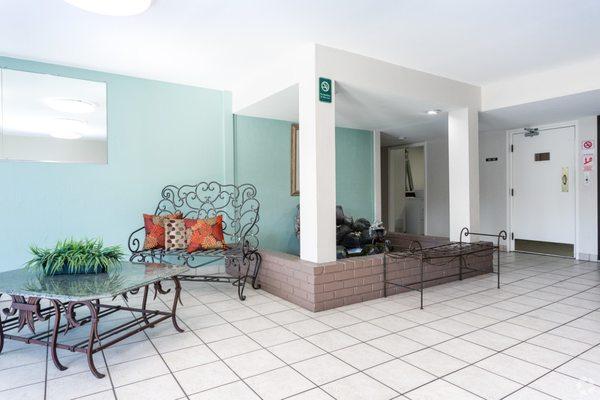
[
  {"x": 155, "y": 229},
  {"x": 205, "y": 234}
]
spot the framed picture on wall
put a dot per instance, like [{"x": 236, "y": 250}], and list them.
[{"x": 295, "y": 176}]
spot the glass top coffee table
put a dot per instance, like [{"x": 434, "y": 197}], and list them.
[{"x": 36, "y": 299}]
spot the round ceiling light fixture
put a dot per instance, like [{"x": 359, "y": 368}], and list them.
[
  {"x": 65, "y": 128},
  {"x": 72, "y": 106},
  {"x": 115, "y": 8},
  {"x": 433, "y": 112}
]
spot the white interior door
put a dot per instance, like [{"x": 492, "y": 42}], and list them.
[
  {"x": 543, "y": 202},
  {"x": 396, "y": 189}
]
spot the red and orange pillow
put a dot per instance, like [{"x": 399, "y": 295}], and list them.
[
  {"x": 205, "y": 234},
  {"x": 201, "y": 234},
  {"x": 155, "y": 229}
]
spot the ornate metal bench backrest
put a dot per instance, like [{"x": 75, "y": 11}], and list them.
[{"x": 237, "y": 204}]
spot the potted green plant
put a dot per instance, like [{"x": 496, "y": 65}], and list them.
[{"x": 88, "y": 256}]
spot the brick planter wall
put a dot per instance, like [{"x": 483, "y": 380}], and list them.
[{"x": 319, "y": 287}]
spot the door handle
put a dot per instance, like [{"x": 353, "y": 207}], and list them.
[{"x": 564, "y": 180}]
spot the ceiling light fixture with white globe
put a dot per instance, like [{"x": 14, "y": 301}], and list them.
[
  {"x": 114, "y": 8},
  {"x": 71, "y": 106},
  {"x": 66, "y": 128},
  {"x": 433, "y": 112}
]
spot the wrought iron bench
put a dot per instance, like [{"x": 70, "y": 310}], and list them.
[{"x": 240, "y": 210}]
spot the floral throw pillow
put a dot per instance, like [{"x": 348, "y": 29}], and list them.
[
  {"x": 175, "y": 234},
  {"x": 205, "y": 234},
  {"x": 155, "y": 229}
]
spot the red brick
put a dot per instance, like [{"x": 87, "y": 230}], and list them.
[
  {"x": 306, "y": 283},
  {"x": 319, "y": 297},
  {"x": 351, "y": 282},
  {"x": 335, "y": 303},
  {"x": 333, "y": 268},
  {"x": 328, "y": 287},
  {"x": 363, "y": 289},
  {"x": 343, "y": 292},
  {"x": 352, "y": 299},
  {"x": 340, "y": 276},
  {"x": 363, "y": 272},
  {"x": 372, "y": 279}
]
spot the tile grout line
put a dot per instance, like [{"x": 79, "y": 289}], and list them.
[
  {"x": 208, "y": 347},
  {"x": 427, "y": 347},
  {"x": 500, "y": 351},
  {"x": 326, "y": 351},
  {"x": 442, "y": 299},
  {"x": 558, "y": 372},
  {"x": 462, "y": 312},
  {"x": 161, "y": 357}
]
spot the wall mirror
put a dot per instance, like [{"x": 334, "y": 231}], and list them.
[{"x": 51, "y": 118}]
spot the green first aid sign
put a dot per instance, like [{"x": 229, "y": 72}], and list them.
[{"x": 325, "y": 94}]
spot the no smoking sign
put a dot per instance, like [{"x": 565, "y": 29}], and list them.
[{"x": 587, "y": 146}]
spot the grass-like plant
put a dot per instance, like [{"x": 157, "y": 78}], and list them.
[{"x": 75, "y": 257}]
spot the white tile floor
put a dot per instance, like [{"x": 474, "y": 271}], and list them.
[{"x": 538, "y": 337}]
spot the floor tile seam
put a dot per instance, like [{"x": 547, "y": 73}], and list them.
[
  {"x": 495, "y": 353},
  {"x": 160, "y": 354},
  {"x": 322, "y": 349},
  {"x": 214, "y": 353},
  {"x": 336, "y": 349},
  {"x": 495, "y": 323},
  {"x": 558, "y": 366}
]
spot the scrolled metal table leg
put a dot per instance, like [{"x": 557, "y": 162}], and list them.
[
  {"x": 92, "y": 306},
  {"x": 159, "y": 289},
  {"x": 55, "y": 330},
  {"x": 176, "y": 300},
  {"x": 145, "y": 302}
]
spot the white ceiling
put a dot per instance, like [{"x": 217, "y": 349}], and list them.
[
  {"x": 405, "y": 121},
  {"x": 218, "y": 44},
  {"x": 361, "y": 108},
  {"x": 559, "y": 109}
]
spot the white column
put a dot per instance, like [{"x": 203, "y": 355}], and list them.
[
  {"x": 317, "y": 169},
  {"x": 463, "y": 169},
  {"x": 377, "y": 175}
]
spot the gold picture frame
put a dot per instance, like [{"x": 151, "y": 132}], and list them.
[{"x": 295, "y": 170}]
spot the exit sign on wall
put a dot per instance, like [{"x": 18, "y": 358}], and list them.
[{"x": 325, "y": 90}]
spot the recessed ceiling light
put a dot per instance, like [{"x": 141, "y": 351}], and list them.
[
  {"x": 433, "y": 112},
  {"x": 65, "y": 128},
  {"x": 116, "y": 8},
  {"x": 73, "y": 106}
]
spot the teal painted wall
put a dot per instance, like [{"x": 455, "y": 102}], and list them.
[
  {"x": 262, "y": 157},
  {"x": 158, "y": 133},
  {"x": 354, "y": 172}
]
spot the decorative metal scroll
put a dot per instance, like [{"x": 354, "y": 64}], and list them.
[
  {"x": 237, "y": 204},
  {"x": 29, "y": 311}
]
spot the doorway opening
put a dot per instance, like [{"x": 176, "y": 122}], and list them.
[
  {"x": 406, "y": 189},
  {"x": 542, "y": 190}
]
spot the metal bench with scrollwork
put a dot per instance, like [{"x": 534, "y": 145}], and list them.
[{"x": 238, "y": 206}]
